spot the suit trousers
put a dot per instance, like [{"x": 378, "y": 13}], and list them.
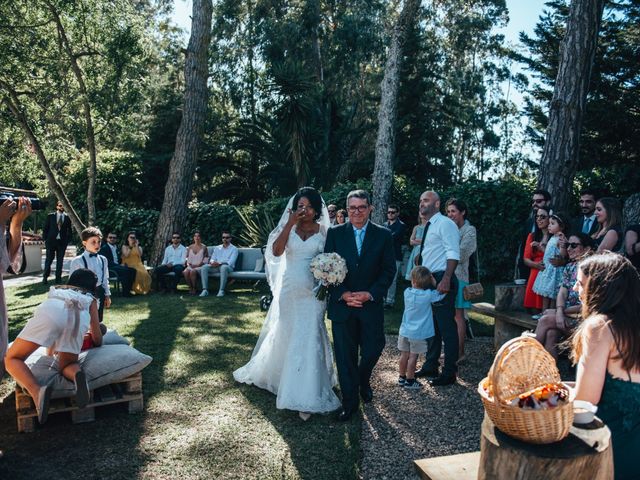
[
  {"x": 444, "y": 313},
  {"x": 55, "y": 250},
  {"x": 224, "y": 270},
  {"x": 168, "y": 282},
  {"x": 100, "y": 296},
  {"x": 358, "y": 334},
  {"x": 126, "y": 275}
]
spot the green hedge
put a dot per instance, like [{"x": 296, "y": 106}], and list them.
[{"x": 498, "y": 210}]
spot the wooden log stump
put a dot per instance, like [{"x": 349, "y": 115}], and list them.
[
  {"x": 509, "y": 297},
  {"x": 505, "y": 458}
]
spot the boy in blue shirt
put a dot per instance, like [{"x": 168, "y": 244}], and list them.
[{"x": 417, "y": 324}]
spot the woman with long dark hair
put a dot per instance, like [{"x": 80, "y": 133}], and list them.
[
  {"x": 609, "y": 217},
  {"x": 606, "y": 347}
]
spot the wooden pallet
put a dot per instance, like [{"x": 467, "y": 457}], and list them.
[
  {"x": 128, "y": 391},
  {"x": 463, "y": 466}
]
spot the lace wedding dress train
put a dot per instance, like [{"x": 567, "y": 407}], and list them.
[{"x": 293, "y": 357}]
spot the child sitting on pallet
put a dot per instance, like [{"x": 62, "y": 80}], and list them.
[{"x": 59, "y": 324}]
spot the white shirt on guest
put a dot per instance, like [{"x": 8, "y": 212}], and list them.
[
  {"x": 175, "y": 255},
  {"x": 442, "y": 243},
  {"x": 97, "y": 264},
  {"x": 227, "y": 255}
]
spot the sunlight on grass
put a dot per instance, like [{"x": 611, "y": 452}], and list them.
[{"x": 198, "y": 422}]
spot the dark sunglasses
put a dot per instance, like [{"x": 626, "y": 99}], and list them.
[
  {"x": 542, "y": 217},
  {"x": 573, "y": 245},
  {"x": 391, "y": 213},
  {"x": 176, "y": 237},
  {"x": 331, "y": 211},
  {"x": 225, "y": 236}
]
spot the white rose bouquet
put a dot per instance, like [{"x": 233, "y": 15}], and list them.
[{"x": 330, "y": 269}]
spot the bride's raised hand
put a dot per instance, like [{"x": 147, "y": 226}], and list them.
[{"x": 294, "y": 216}]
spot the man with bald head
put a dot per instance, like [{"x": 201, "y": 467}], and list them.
[{"x": 440, "y": 253}]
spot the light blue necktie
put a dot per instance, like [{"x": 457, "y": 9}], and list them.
[
  {"x": 586, "y": 226},
  {"x": 359, "y": 240}
]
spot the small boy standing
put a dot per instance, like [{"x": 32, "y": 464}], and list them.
[
  {"x": 91, "y": 259},
  {"x": 417, "y": 324}
]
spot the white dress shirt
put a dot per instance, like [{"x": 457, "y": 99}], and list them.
[
  {"x": 223, "y": 255},
  {"x": 59, "y": 221},
  {"x": 442, "y": 243},
  {"x": 175, "y": 255},
  {"x": 97, "y": 265}
]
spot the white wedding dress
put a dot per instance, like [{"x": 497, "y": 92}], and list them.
[{"x": 293, "y": 357}]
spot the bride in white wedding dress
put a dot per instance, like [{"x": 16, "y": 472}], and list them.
[{"x": 293, "y": 357}]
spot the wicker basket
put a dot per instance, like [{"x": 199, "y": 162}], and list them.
[{"x": 522, "y": 364}]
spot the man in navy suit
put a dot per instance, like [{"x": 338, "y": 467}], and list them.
[
  {"x": 356, "y": 307},
  {"x": 126, "y": 275},
  {"x": 57, "y": 234}
]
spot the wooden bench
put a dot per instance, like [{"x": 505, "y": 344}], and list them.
[
  {"x": 508, "y": 324},
  {"x": 463, "y": 466},
  {"x": 127, "y": 391}
]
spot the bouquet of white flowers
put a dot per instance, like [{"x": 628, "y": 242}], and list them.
[{"x": 329, "y": 269}]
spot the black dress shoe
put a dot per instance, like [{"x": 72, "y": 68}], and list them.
[
  {"x": 366, "y": 394},
  {"x": 441, "y": 381},
  {"x": 345, "y": 415},
  {"x": 427, "y": 373}
]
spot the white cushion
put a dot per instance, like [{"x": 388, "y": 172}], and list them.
[{"x": 102, "y": 366}]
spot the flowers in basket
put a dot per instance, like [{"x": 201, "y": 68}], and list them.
[{"x": 330, "y": 269}]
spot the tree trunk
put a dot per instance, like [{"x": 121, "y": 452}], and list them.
[
  {"x": 88, "y": 119},
  {"x": 385, "y": 144},
  {"x": 560, "y": 155},
  {"x": 183, "y": 164},
  {"x": 12, "y": 101}
]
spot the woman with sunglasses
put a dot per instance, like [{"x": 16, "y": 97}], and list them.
[
  {"x": 533, "y": 255},
  {"x": 132, "y": 257},
  {"x": 561, "y": 321}
]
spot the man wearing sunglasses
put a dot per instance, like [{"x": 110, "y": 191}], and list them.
[
  {"x": 223, "y": 260},
  {"x": 539, "y": 199},
  {"x": 174, "y": 260},
  {"x": 398, "y": 229},
  {"x": 126, "y": 275}
]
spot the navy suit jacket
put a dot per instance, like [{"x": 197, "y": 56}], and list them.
[
  {"x": 106, "y": 252},
  {"x": 372, "y": 271}
]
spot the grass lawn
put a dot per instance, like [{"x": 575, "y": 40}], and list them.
[{"x": 197, "y": 422}]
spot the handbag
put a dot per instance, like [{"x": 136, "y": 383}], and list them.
[{"x": 473, "y": 291}]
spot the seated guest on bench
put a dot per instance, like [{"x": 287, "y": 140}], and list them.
[
  {"x": 91, "y": 259},
  {"x": 223, "y": 260},
  {"x": 126, "y": 275},
  {"x": 197, "y": 256},
  {"x": 174, "y": 260},
  {"x": 59, "y": 324},
  {"x": 132, "y": 257},
  {"x": 606, "y": 347},
  {"x": 562, "y": 321}
]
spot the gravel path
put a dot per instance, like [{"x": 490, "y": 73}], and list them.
[{"x": 401, "y": 426}]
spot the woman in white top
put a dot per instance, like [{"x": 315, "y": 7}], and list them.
[
  {"x": 59, "y": 324},
  {"x": 457, "y": 211}
]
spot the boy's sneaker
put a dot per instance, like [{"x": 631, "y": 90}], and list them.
[
  {"x": 412, "y": 384},
  {"x": 402, "y": 379}
]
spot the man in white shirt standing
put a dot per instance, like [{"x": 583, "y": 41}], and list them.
[
  {"x": 440, "y": 252},
  {"x": 223, "y": 260},
  {"x": 174, "y": 260}
]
